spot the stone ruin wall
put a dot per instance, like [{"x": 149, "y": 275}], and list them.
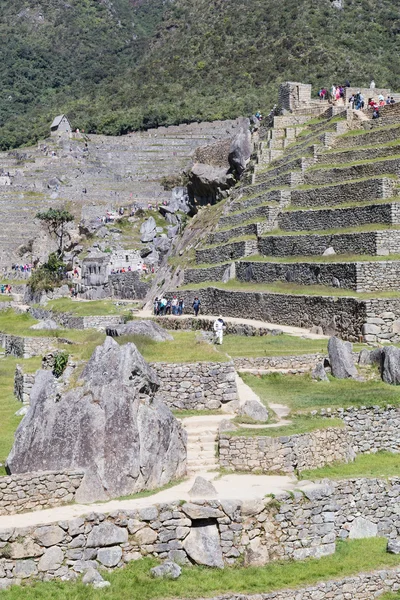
[
  {"x": 33, "y": 491},
  {"x": 198, "y": 386},
  {"x": 291, "y": 526},
  {"x": 287, "y": 454},
  {"x": 26, "y": 347},
  {"x": 69, "y": 321}
]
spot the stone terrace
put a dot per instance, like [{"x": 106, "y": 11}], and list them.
[
  {"x": 324, "y": 178},
  {"x": 107, "y": 173}
]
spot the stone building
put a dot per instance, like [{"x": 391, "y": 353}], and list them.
[
  {"x": 293, "y": 95},
  {"x": 95, "y": 270},
  {"x": 60, "y": 125}
]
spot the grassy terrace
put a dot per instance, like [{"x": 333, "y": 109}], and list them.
[
  {"x": 324, "y": 167},
  {"x": 300, "y": 424},
  {"x": 280, "y": 287},
  {"x": 271, "y": 345},
  {"x": 294, "y": 208},
  {"x": 358, "y": 229},
  {"x": 337, "y": 150},
  {"x": 381, "y": 465},
  {"x": 301, "y": 393},
  {"x": 135, "y": 581},
  {"x": 89, "y": 308},
  {"x": 338, "y": 258}
]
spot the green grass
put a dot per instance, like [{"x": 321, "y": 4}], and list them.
[
  {"x": 301, "y": 393},
  {"x": 379, "y": 465},
  {"x": 337, "y": 258},
  {"x": 358, "y": 229},
  {"x": 8, "y": 403},
  {"x": 183, "y": 414},
  {"x": 88, "y": 308},
  {"x": 183, "y": 349},
  {"x": 355, "y": 163},
  {"x": 19, "y": 324},
  {"x": 300, "y": 424},
  {"x": 295, "y": 208},
  {"x": 135, "y": 581},
  {"x": 271, "y": 345}
]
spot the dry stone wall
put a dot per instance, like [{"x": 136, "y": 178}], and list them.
[
  {"x": 345, "y": 315},
  {"x": 194, "y": 323},
  {"x": 387, "y": 214},
  {"x": 230, "y": 251},
  {"x": 377, "y": 276},
  {"x": 23, "y": 383},
  {"x": 25, "y": 347},
  {"x": 33, "y": 491},
  {"x": 360, "y": 191},
  {"x": 338, "y": 174},
  {"x": 285, "y": 454},
  {"x": 69, "y": 321},
  {"x": 198, "y": 386},
  {"x": 315, "y": 244},
  {"x": 300, "y": 363},
  {"x": 261, "y": 212}
]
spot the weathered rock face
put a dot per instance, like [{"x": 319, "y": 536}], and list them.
[
  {"x": 390, "y": 365},
  {"x": 255, "y": 410},
  {"x": 241, "y": 148},
  {"x": 208, "y": 184},
  {"x": 341, "y": 359},
  {"x": 148, "y": 230},
  {"x": 145, "y": 328},
  {"x": 111, "y": 426}
]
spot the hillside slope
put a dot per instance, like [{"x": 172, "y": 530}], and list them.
[{"x": 190, "y": 59}]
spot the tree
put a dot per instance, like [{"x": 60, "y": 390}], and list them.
[{"x": 56, "y": 220}]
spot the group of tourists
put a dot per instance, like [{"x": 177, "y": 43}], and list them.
[
  {"x": 143, "y": 268},
  {"x": 163, "y": 306},
  {"x": 22, "y": 268},
  {"x": 335, "y": 94},
  {"x": 5, "y": 288}
]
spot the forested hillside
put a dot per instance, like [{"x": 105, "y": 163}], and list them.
[{"x": 121, "y": 65}]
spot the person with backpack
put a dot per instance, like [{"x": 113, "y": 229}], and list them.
[
  {"x": 181, "y": 306},
  {"x": 196, "y": 306}
]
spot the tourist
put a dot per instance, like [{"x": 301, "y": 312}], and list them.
[
  {"x": 174, "y": 305},
  {"x": 219, "y": 326},
  {"x": 181, "y": 306},
  {"x": 392, "y": 100},
  {"x": 156, "y": 307},
  {"x": 163, "y": 304},
  {"x": 168, "y": 307},
  {"x": 196, "y": 306},
  {"x": 375, "y": 114}
]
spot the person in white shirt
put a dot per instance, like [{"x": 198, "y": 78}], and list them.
[{"x": 219, "y": 327}]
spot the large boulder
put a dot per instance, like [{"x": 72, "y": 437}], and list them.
[
  {"x": 390, "y": 365},
  {"x": 341, "y": 359},
  {"x": 111, "y": 426},
  {"x": 148, "y": 230},
  {"x": 255, "y": 410},
  {"x": 146, "y": 328},
  {"x": 208, "y": 185},
  {"x": 241, "y": 149}
]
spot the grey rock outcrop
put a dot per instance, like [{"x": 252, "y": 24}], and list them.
[
  {"x": 362, "y": 528},
  {"x": 393, "y": 546},
  {"x": 46, "y": 324},
  {"x": 202, "y": 488},
  {"x": 390, "y": 365},
  {"x": 148, "y": 230},
  {"x": 319, "y": 373},
  {"x": 146, "y": 328},
  {"x": 207, "y": 184},
  {"x": 162, "y": 244},
  {"x": 203, "y": 545},
  {"x": 168, "y": 570},
  {"x": 255, "y": 410},
  {"x": 341, "y": 359},
  {"x": 241, "y": 149},
  {"x": 93, "y": 577},
  {"x": 111, "y": 426}
]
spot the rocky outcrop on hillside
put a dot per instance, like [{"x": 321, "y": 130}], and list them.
[{"x": 111, "y": 426}]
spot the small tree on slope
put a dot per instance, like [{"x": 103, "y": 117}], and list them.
[{"x": 56, "y": 220}]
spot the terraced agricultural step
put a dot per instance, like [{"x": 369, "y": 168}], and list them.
[
  {"x": 301, "y": 164},
  {"x": 373, "y": 243},
  {"x": 280, "y": 197},
  {"x": 226, "y": 252},
  {"x": 375, "y": 137},
  {"x": 352, "y": 191},
  {"x": 357, "y": 276},
  {"x": 332, "y": 218},
  {"x": 255, "y": 229},
  {"x": 358, "y": 154},
  {"x": 291, "y": 180},
  {"x": 263, "y": 212},
  {"x": 374, "y": 168}
]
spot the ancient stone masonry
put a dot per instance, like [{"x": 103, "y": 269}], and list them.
[
  {"x": 25, "y": 347},
  {"x": 301, "y": 363},
  {"x": 360, "y": 191},
  {"x": 315, "y": 244},
  {"x": 230, "y": 251},
  {"x": 345, "y": 315},
  {"x": 285, "y": 454},
  {"x": 387, "y": 214},
  {"x": 339, "y": 174},
  {"x": 208, "y": 324},
  {"x": 69, "y": 321},
  {"x": 23, "y": 383},
  {"x": 196, "y": 386},
  {"x": 358, "y": 587},
  {"x": 33, "y": 491}
]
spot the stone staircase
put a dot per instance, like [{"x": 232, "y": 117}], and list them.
[{"x": 202, "y": 442}]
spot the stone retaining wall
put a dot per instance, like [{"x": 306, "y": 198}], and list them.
[
  {"x": 288, "y": 454},
  {"x": 338, "y": 174},
  {"x": 26, "y": 347},
  {"x": 33, "y": 491},
  {"x": 217, "y": 254},
  {"x": 23, "y": 383},
  {"x": 300, "y": 220},
  {"x": 278, "y": 196},
  {"x": 363, "y": 586},
  {"x": 316, "y": 244},
  {"x": 198, "y": 386},
  {"x": 345, "y": 315},
  {"x": 216, "y": 273},
  {"x": 371, "y": 138},
  {"x": 377, "y": 276},
  {"x": 69, "y": 321},
  {"x": 195, "y": 324},
  {"x": 303, "y": 362},
  {"x": 261, "y": 212},
  {"x": 291, "y": 526},
  {"x": 360, "y": 191}
]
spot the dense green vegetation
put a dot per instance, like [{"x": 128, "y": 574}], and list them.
[
  {"x": 301, "y": 393},
  {"x": 135, "y": 581},
  {"x": 123, "y": 65}
]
